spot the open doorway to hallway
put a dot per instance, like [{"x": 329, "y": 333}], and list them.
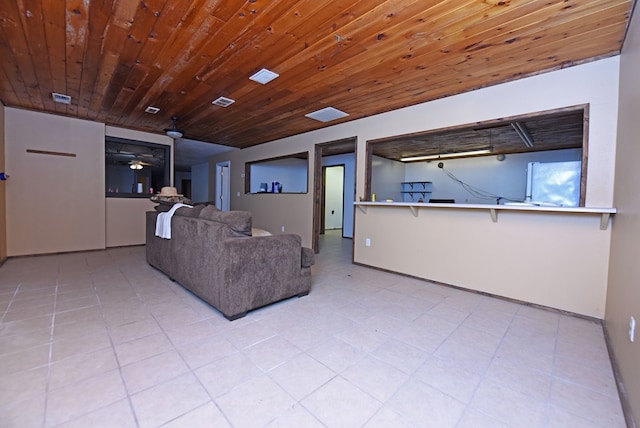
[
  {"x": 223, "y": 187},
  {"x": 332, "y": 198},
  {"x": 331, "y": 154}
]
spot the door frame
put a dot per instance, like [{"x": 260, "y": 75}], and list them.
[
  {"x": 324, "y": 196},
  {"x": 223, "y": 187},
  {"x": 327, "y": 149}
]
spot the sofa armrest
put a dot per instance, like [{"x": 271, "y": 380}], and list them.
[
  {"x": 260, "y": 270},
  {"x": 308, "y": 257}
]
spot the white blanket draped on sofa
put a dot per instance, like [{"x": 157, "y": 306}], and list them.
[{"x": 163, "y": 222}]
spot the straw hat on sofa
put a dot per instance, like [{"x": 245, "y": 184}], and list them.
[
  {"x": 169, "y": 191},
  {"x": 168, "y": 196}
]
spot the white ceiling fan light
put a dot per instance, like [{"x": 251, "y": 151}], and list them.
[{"x": 174, "y": 132}]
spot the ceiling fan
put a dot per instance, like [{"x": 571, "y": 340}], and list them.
[
  {"x": 174, "y": 132},
  {"x": 138, "y": 164}
]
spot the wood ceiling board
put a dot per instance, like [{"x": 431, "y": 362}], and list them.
[{"x": 116, "y": 57}]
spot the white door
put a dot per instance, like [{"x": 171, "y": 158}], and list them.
[
  {"x": 334, "y": 197},
  {"x": 222, "y": 186}
]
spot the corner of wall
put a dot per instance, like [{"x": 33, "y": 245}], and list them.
[{"x": 3, "y": 203}]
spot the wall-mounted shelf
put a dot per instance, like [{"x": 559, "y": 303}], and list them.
[
  {"x": 417, "y": 188},
  {"x": 604, "y": 213}
]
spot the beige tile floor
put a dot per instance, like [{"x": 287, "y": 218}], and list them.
[{"x": 100, "y": 339}]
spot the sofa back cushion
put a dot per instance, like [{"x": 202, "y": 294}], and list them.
[
  {"x": 238, "y": 221},
  {"x": 189, "y": 212}
]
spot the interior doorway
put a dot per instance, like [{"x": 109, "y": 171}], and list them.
[
  {"x": 334, "y": 153},
  {"x": 185, "y": 187},
  {"x": 223, "y": 188},
  {"x": 332, "y": 198}
]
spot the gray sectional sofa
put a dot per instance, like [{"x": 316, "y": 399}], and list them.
[{"x": 212, "y": 254}]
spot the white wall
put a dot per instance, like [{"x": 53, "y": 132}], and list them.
[
  {"x": 506, "y": 179},
  {"x": 594, "y": 83},
  {"x": 200, "y": 183},
  {"x": 349, "y": 162},
  {"x": 179, "y": 176},
  {"x": 386, "y": 176},
  {"x": 54, "y": 203},
  {"x": 291, "y": 173},
  {"x": 125, "y": 217},
  {"x": 125, "y": 221},
  {"x": 623, "y": 294},
  {"x": 57, "y": 203},
  {"x": 551, "y": 259},
  {"x": 3, "y": 199}
]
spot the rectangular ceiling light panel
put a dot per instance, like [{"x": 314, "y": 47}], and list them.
[
  {"x": 152, "y": 110},
  {"x": 447, "y": 155},
  {"x": 327, "y": 114},
  {"x": 223, "y": 101},
  {"x": 264, "y": 76}
]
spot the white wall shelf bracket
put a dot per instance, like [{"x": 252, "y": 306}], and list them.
[
  {"x": 494, "y": 215},
  {"x": 604, "y": 221}
]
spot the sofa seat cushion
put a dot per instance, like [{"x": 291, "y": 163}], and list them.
[
  {"x": 193, "y": 212},
  {"x": 238, "y": 221}
]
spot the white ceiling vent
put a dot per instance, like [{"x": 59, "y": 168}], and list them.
[
  {"x": 223, "y": 101},
  {"x": 61, "y": 98},
  {"x": 152, "y": 110},
  {"x": 264, "y": 76},
  {"x": 327, "y": 114}
]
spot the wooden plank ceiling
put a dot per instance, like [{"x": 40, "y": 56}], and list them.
[{"x": 116, "y": 57}]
